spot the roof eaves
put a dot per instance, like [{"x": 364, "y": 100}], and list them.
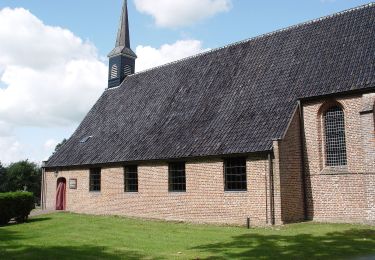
[
  {"x": 371, "y": 88},
  {"x": 197, "y": 157}
]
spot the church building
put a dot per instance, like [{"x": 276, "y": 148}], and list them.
[{"x": 274, "y": 129}]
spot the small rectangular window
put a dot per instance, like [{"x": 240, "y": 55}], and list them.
[
  {"x": 177, "y": 177},
  {"x": 131, "y": 178},
  {"x": 85, "y": 139},
  {"x": 235, "y": 174},
  {"x": 95, "y": 179},
  {"x": 73, "y": 184}
]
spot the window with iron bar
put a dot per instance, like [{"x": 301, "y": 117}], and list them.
[
  {"x": 235, "y": 174},
  {"x": 335, "y": 144},
  {"x": 131, "y": 178},
  {"x": 177, "y": 177},
  {"x": 95, "y": 179}
]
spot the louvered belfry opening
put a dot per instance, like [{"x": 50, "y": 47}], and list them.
[
  {"x": 114, "y": 71},
  {"x": 127, "y": 70},
  {"x": 335, "y": 144},
  {"x": 121, "y": 58}
]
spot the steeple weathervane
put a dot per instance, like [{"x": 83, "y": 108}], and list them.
[{"x": 121, "y": 58}]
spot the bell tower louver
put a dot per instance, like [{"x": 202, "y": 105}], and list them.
[{"x": 121, "y": 58}]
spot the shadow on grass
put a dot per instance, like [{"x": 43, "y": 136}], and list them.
[
  {"x": 68, "y": 252},
  {"x": 30, "y": 220},
  {"x": 33, "y": 220},
  {"x": 11, "y": 247},
  {"x": 336, "y": 245}
]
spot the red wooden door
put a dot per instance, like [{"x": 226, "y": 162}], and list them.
[{"x": 60, "y": 194}]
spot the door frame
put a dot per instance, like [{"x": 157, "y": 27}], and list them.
[{"x": 59, "y": 180}]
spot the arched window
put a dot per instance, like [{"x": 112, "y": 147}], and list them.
[
  {"x": 334, "y": 124},
  {"x": 114, "y": 71}
]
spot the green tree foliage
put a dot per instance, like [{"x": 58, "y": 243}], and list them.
[
  {"x": 24, "y": 173},
  {"x": 58, "y": 146},
  {"x": 2, "y": 178}
]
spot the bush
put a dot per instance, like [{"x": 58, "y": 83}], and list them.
[{"x": 17, "y": 205}]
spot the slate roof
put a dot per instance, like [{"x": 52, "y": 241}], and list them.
[{"x": 231, "y": 100}]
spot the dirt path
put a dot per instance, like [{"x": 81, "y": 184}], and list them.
[{"x": 38, "y": 212}]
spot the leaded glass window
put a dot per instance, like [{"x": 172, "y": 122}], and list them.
[
  {"x": 177, "y": 177},
  {"x": 131, "y": 178},
  {"x": 335, "y": 145},
  {"x": 95, "y": 179},
  {"x": 235, "y": 174}
]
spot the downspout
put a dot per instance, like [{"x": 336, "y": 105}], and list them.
[
  {"x": 303, "y": 170},
  {"x": 272, "y": 192},
  {"x": 266, "y": 191},
  {"x": 42, "y": 194}
]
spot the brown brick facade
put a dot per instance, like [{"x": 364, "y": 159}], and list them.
[
  {"x": 204, "y": 201},
  {"x": 289, "y": 169},
  {"x": 341, "y": 194},
  {"x": 333, "y": 194}
]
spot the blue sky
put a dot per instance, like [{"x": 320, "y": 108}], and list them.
[
  {"x": 96, "y": 20},
  {"x": 34, "y": 132}
]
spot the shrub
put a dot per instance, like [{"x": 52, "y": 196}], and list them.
[
  {"x": 6, "y": 202},
  {"x": 17, "y": 205}
]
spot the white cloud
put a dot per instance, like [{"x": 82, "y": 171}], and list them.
[
  {"x": 49, "y": 79},
  {"x": 51, "y": 76},
  {"x": 50, "y": 144},
  {"x": 5, "y": 129},
  {"x": 10, "y": 149},
  {"x": 176, "y": 13},
  {"x": 149, "y": 57}
]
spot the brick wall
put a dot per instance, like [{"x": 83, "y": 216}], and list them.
[
  {"x": 343, "y": 194},
  {"x": 205, "y": 200},
  {"x": 289, "y": 168}
]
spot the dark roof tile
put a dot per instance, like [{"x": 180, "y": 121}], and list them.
[{"x": 231, "y": 100}]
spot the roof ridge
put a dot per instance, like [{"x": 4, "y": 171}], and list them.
[{"x": 312, "y": 21}]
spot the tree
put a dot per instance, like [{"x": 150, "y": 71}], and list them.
[
  {"x": 59, "y": 145},
  {"x": 24, "y": 173},
  {"x": 3, "y": 178}
]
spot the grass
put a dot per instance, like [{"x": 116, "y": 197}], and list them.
[{"x": 72, "y": 236}]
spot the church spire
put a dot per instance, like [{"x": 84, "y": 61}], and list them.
[
  {"x": 121, "y": 58},
  {"x": 123, "y": 37}
]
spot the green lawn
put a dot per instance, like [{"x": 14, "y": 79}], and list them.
[{"x": 71, "y": 236}]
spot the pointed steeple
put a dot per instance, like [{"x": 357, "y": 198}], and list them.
[
  {"x": 123, "y": 37},
  {"x": 121, "y": 58}
]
